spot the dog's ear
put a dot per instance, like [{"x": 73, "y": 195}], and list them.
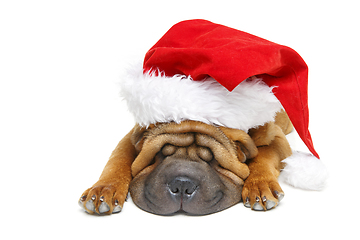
[
  {"x": 246, "y": 147},
  {"x": 137, "y": 138}
]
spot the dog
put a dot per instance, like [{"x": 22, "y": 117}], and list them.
[
  {"x": 210, "y": 130},
  {"x": 194, "y": 168}
]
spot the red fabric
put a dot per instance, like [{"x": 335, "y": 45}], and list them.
[{"x": 199, "y": 48}]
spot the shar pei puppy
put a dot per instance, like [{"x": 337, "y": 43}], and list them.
[
  {"x": 212, "y": 106},
  {"x": 193, "y": 167}
]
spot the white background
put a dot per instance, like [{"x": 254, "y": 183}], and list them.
[{"x": 61, "y": 115}]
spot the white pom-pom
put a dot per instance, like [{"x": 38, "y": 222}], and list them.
[{"x": 305, "y": 171}]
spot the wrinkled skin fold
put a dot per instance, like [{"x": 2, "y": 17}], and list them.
[
  {"x": 190, "y": 171},
  {"x": 193, "y": 167}
]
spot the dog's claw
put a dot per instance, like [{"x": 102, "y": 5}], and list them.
[
  {"x": 263, "y": 205},
  {"x": 261, "y": 195},
  {"x": 247, "y": 202},
  {"x": 279, "y": 196},
  {"x": 257, "y": 207},
  {"x": 102, "y": 200},
  {"x": 90, "y": 205},
  {"x": 117, "y": 209},
  {"x": 270, "y": 204},
  {"x": 81, "y": 203},
  {"x": 103, "y": 208}
]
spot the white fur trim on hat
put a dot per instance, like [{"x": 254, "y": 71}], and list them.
[
  {"x": 305, "y": 171},
  {"x": 154, "y": 98}
]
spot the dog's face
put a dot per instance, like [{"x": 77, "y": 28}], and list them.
[{"x": 190, "y": 167}]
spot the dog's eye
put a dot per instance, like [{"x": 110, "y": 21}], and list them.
[{"x": 168, "y": 150}]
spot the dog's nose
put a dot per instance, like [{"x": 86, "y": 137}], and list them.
[{"x": 182, "y": 186}]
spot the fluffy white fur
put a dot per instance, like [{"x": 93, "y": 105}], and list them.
[
  {"x": 153, "y": 98},
  {"x": 305, "y": 171}
]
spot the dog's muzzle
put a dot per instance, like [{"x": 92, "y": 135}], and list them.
[{"x": 180, "y": 184}]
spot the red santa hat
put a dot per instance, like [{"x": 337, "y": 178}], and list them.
[{"x": 208, "y": 72}]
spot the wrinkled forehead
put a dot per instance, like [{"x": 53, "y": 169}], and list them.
[
  {"x": 194, "y": 127},
  {"x": 187, "y": 134}
]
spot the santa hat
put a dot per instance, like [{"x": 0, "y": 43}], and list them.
[{"x": 211, "y": 73}]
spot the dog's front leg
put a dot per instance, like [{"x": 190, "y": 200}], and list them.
[
  {"x": 108, "y": 194},
  {"x": 261, "y": 189}
]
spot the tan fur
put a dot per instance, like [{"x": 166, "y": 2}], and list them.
[
  {"x": 183, "y": 135},
  {"x": 262, "y": 149},
  {"x": 115, "y": 179}
]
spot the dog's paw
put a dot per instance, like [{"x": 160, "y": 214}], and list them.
[
  {"x": 102, "y": 199},
  {"x": 261, "y": 195}
]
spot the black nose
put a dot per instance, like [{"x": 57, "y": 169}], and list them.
[{"x": 182, "y": 186}]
